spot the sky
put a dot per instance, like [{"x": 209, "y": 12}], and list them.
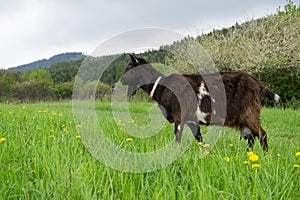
[{"x": 31, "y": 30}]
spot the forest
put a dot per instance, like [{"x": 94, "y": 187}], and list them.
[{"x": 268, "y": 48}]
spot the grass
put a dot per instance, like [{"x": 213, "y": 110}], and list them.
[{"x": 41, "y": 158}]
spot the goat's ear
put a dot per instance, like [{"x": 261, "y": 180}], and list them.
[{"x": 134, "y": 59}]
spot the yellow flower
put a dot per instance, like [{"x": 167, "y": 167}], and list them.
[
  {"x": 253, "y": 158},
  {"x": 298, "y": 154},
  {"x": 129, "y": 139},
  {"x": 227, "y": 159},
  {"x": 246, "y": 162},
  {"x": 200, "y": 143},
  {"x": 78, "y": 126},
  {"x": 52, "y": 136},
  {"x": 206, "y": 145},
  {"x": 77, "y": 136},
  {"x": 2, "y": 140},
  {"x": 296, "y": 166},
  {"x": 53, "y": 113},
  {"x": 60, "y": 114},
  {"x": 278, "y": 155},
  {"x": 206, "y": 152},
  {"x": 250, "y": 153},
  {"x": 65, "y": 130},
  {"x": 255, "y": 166},
  {"x": 231, "y": 145},
  {"x": 52, "y": 131}
]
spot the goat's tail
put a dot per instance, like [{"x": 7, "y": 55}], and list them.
[{"x": 269, "y": 94}]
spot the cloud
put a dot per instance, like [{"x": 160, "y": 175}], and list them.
[{"x": 33, "y": 29}]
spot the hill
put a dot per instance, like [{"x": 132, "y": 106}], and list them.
[
  {"x": 64, "y": 57},
  {"x": 267, "y": 48}
]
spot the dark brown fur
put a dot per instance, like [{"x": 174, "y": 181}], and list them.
[{"x": 177, "y": 98}]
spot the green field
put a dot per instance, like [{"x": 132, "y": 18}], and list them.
[{"x": 42, "y": 157}]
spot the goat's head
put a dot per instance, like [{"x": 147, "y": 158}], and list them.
[{"x": 132, "y": 76}]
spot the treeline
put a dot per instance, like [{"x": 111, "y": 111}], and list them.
[{"x": 56, "y": 82}]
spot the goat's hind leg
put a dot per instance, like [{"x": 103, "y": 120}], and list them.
[
  {"x": 178, "y": 131},
  {"x": 258, "y": 131},
  {"x": 263, "y": 139}
]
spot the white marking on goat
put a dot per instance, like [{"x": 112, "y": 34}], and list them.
[
  {"x": 276, "y": 97},
  {"x": 214, "y": 112},
  {"x": 201, "y": 115},
  {"x": 202, "y": 91},
  {"x": 178, "y": 128}
]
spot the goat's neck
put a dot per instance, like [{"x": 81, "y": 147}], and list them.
[{"x": 150, "y": 77}]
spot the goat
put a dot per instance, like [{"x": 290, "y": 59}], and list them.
[{"x": 185, "y": 99}]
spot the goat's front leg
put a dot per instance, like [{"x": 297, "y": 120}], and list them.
[
  {"x": 194, "y": 126},
  {"x": 178, "y": 131}
]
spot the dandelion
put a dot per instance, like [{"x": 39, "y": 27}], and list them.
[
  {"x": 206, "y": 152},
  {"x": 78, "y": 126},
  {"x": 65, "y": 130},
  {"x": 2, "y": 140},
  {"x": 53, "y": 113},
  {"x": 298, "y": 154},
  {"x": 206, "y": 145},
  {"x": 23, "y": 107},
  {"x": 296, "y": 166},
  {"x": 129, "y": 139},
  {"x": 253, "y": 158},
  {"x": 51, "y": 136},
  {"x": 77, "y": 136},
  {"x": 255, "y": 166},
  {"x": 60, "y": 114},
  {"x": 250, "y": 153},
  {"x": 63, "y": 125},
  {"x": 246, "y": 162},
  {"x": 231, "y": 145},
  {"x": 227, "y": 159},
  {"x": 52, "y": 131},
  {"x": 278, "y": 155},
  {"x": 200, "y": 143}
]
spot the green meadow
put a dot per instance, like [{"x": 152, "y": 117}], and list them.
[{"x": 42, "y": 156}]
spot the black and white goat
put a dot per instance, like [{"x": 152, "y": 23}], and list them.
[{"x": 185, "y": 99}]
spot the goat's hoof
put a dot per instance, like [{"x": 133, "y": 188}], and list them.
[{"x": 178, "y": 140}]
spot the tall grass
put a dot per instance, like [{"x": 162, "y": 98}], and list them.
[{"x": 43, "y": 158}]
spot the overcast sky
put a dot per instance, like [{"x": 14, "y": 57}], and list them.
[{"x": 32, "y": 30}]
